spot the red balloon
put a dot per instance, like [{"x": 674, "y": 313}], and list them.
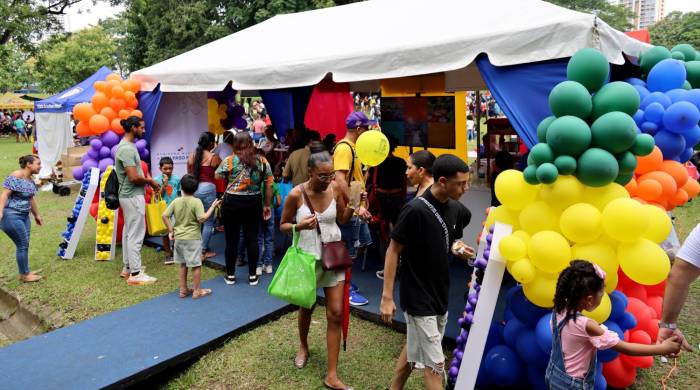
[
  {"x": 656, "y": 302},
  {"x": 619, "y": 374},
  {"x": 638, "y": 309},
  {"x": 657, "y": 289},
  {"x": 93, "y": 209},
  {"x": 650, "y": 326},
  {"x": 120, "y": 225},
  {"x": 636, "y": 291}
]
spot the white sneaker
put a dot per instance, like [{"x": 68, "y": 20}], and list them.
[
  {"x": 268, "y": 269},
  {"x": 258, "y": 271},
  {"x": 141, "y": 279}
]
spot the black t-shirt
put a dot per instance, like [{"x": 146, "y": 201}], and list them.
[
  {"x": 391, "y": 173},
  {"x": 425, "y": 279}
]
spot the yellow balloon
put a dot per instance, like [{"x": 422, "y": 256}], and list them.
[
  {"x": 599, "y": 253},
  {"x": 581, "y": 223},
  {"x": 659, "y": 224},
  {"x": 513, "y": 191},
  {"x": 503, "y": 215},
  {"x": 522, "y": 234},
  {"x": 537, "y": 217},
  {"x": 564, "y": 192},
  {"x": 540, "y": 290},
  {"x": 601, "y": 313},
  {"x": 549, "y": 251},
  {"x": 512, "y": 248},
  {"x": 523, "y": 271},
  {"x": 611, "y": 280},
  {"x": 644, "y": 261},
  {"x": 372, "y": 147},
  {"x": 625, "y": 219},
  {"x": 601, "y": 196}
]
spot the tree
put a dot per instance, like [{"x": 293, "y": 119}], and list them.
[
  {"x": 617, "y": 16},
  {"x": 677, "y": 28},
  {"x": 16, "y": 69},
  {"x": 68, "y": 60}
]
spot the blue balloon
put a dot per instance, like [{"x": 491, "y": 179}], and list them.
[
  {"x": 607, "y": 355},
  {"x": 681, "y": 117},
  {"x": 600, "y": 383},
  {"x": 618, "y": 302},
  {"x": 503, "y": 364},
  {"x": 642, "y": 91},
  {"x": 495, "y": 336},
  {"x": 638, "y": 117},
  {"x": 693, "y": 96},
  {"x": 627, "y": 321},
  {"x": 692, "y": 136},
  {"x": 510, "y": 293},
  {"x": 508, "y": 314},
  {"x": 512, "y": 331},
  {"x": 686, "y": 155},
  {"x": 657, "y": 97},
  {"x": 654, "y": 113},
  {"x": 671, "y": 144},
  {"x": 543, "y": 331},
  {"x": 483, "y": 380},
  {"x": 677, "y": 95},
  {"x": 527, "y": 312},
  {"x": 666, "y": 75},
  {"x": 649, "y": 128},
  {"x": 528, "y": 349},
  {"x": 635, "y": 81},
  {"x": 535, "y": 376}
]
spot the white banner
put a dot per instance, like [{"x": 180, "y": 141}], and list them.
[{"x": 181, "y": 118}]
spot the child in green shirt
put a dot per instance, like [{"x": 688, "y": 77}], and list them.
[
  {"x": 169, "y": 191},
  {"x": 187, "y": 235}
]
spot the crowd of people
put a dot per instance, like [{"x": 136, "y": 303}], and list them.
[{"x": 13, "y": 123}]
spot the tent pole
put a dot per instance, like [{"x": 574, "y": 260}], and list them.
[{"x": 477, "y": 127}]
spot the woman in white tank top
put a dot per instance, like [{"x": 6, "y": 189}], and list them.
[{"x": 330, "y": 209}]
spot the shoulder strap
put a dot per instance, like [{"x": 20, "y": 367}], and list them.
[
  {"x": 352, "y": 163},
  {"x": 442, "y": 222},
  {"x": 311, "y": 208}
]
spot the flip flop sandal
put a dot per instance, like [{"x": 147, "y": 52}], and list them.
[
  {"x": 201, "y": 294},
  {"x": 208, "y": 255},
  {"x": 186, "y": 294},
  {"x": 337, "y": 388},
  {"x": 301, "y": 363}
]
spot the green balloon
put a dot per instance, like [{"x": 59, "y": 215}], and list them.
[
  {"x": 653, "y": 56},
  {"x": 627, "y": 162},
  {"x": 676, "y": 55},
  {"x": 542, "y": 128},
  {"x": 687, "y": 50},
  {"x": 566, "y": 165},
  {"x": 624, "y": 178},
  {"x": 547, "y": 173},
  {"x": 589, "y": 67},
  {"x": 530, "y": 175},
  {"x": 692, "y": 69},
  {"x": 540, "y": 154},
  {"x": 597, "y": 167},
  {"x": 615, "y": 96},
  {"x": 570, "y": 98},
  {"x": 569, "y": 135},
  {"x": 614, "y": 132},
  {"x": 687, "y": 86},
  {"x": 643, "y": 145}
]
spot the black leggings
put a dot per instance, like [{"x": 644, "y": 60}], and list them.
[{"x": 241, "y": 211}]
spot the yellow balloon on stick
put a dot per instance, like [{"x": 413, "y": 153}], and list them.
[{"x": 372, "y": 147}]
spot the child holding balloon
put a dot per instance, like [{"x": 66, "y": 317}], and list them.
[
  {"x": 576, "y": 338},
  {"x": 169, "y": 191}
]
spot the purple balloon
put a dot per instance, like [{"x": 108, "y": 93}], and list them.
[
  {"x": 84, "y": 158},
  {"x": 492, "y": 228},
  {"x": 113, "y": 151},
  {"x": 96, "y": 143},
  {"x": 141, "y": 145},
  {"x": 487, "y": 254},
  {"x": 240, "y": 123},
  {"x": 78, "y": 173},
  {"x": 144, "y": 155},
  {"x": 238, "y": 111},
  {"x": 93, "y": 154},
  {"x": 110, "y": 138},
  {"x": 454, "y": 371},
  {"x": 89, "y": 163},
  {"x": 489, "y": 238},
  {"x": 104, "y": 163},
  {"x": 469, "y": 318},
  {"x": 104, "y": 152}
]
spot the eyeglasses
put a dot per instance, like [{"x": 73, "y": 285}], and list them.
[{"x": 327, "y": 177}]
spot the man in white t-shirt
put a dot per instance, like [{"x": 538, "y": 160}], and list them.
[{"x": 685, "y": 270}]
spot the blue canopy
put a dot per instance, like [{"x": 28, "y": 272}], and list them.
[{"x": 66, "y": 100}]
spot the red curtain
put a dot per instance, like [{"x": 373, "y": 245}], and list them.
[{"x": 329, "y": 105}]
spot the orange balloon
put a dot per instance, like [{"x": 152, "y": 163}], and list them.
[
  {"x": 83, "y": 129},
  {"x": 111, "y": 84},
  {"x": 123, "y": 114},
  {"x": 692, "y": 187},
  {"x": 109, "y": 113},
  {"x": 116, "y": 126},
  {"x": 667, "y": 183},
  {"x": 83, "y": 111},
  {"x": 135, "y": 86},
  {"x": 133, "y": 104},
  {"x": 631, "y": 186},
  {"x": 99, "y": 124},
  {"x": 114, "y": 77},
  {"x": 650, "y": 162},
  {"x": 99, "y": 86},
  {"x": 99, "y": 101},
  {"x": 118, "y": 91},
  {"x": 676, "y": 170},
  {"x": 664, "y": 205},
  {"x": 128, "y": 95},
  {"x": 640, "y": 200},
  {"x": 649, "y": 190},
  {"x": 117, "y": 104},
  {"x": 680, "y": 198},
  {"x": 137, "y": 113}
]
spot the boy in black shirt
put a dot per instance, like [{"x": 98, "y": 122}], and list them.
[{"x": 424, "y": 236}]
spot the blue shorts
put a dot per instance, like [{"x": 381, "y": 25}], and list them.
[
  {"x": 355, "y": 234},
  {"x": 22, "y": 131}
]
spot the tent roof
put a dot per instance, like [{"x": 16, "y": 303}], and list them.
[
  {"x": 381, "y": 39},
  {"x": 80, "y": 93},
  {"x": 10, "y": 101}
]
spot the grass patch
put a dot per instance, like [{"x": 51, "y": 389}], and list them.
[{"x": 81, "y": 288}]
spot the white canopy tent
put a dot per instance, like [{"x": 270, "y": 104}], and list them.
[{"x": 408, "y": 37}]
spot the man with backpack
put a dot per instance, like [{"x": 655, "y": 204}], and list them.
[{"x": 132, "y": 181}]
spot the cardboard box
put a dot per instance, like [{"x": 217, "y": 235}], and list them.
[{"x": 72, "y": 156}]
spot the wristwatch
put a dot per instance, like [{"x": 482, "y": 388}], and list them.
[{"x": 671, "y": 326}]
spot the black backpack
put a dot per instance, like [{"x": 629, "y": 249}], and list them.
[{"x": 111, "y": 191}]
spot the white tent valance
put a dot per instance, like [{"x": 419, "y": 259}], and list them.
[{"x": 381, "y": 39}]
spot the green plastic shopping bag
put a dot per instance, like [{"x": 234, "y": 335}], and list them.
[{"x": 295, "y": 278}]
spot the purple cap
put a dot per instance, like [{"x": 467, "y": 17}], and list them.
[{"x": 358, "y": 119}]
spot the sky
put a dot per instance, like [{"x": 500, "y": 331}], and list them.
[{"x": 86, "y": 14}]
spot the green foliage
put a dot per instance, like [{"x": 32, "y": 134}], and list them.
[
  {"x": 16, "y": 68},
  {"x": 677, "y": 28},
  {"x": 66, "y": 60},
  {"x": 617, "y": 16}
]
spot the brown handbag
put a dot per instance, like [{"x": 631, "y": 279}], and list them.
[{"x": 334, "y": 255}]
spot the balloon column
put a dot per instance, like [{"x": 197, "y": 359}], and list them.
[
  {"x": 105, "y": 224},
  {"x": 223, "y": 113},
  {"x": 73, "y": 217}
]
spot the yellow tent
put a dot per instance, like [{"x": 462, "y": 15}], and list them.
[{"x": 10, "y": 101}]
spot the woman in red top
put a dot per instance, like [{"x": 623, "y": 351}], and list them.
[{"x": 201, "y": 164}]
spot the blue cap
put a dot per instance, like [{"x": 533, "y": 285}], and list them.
[{"x": 358, "y": 119}]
